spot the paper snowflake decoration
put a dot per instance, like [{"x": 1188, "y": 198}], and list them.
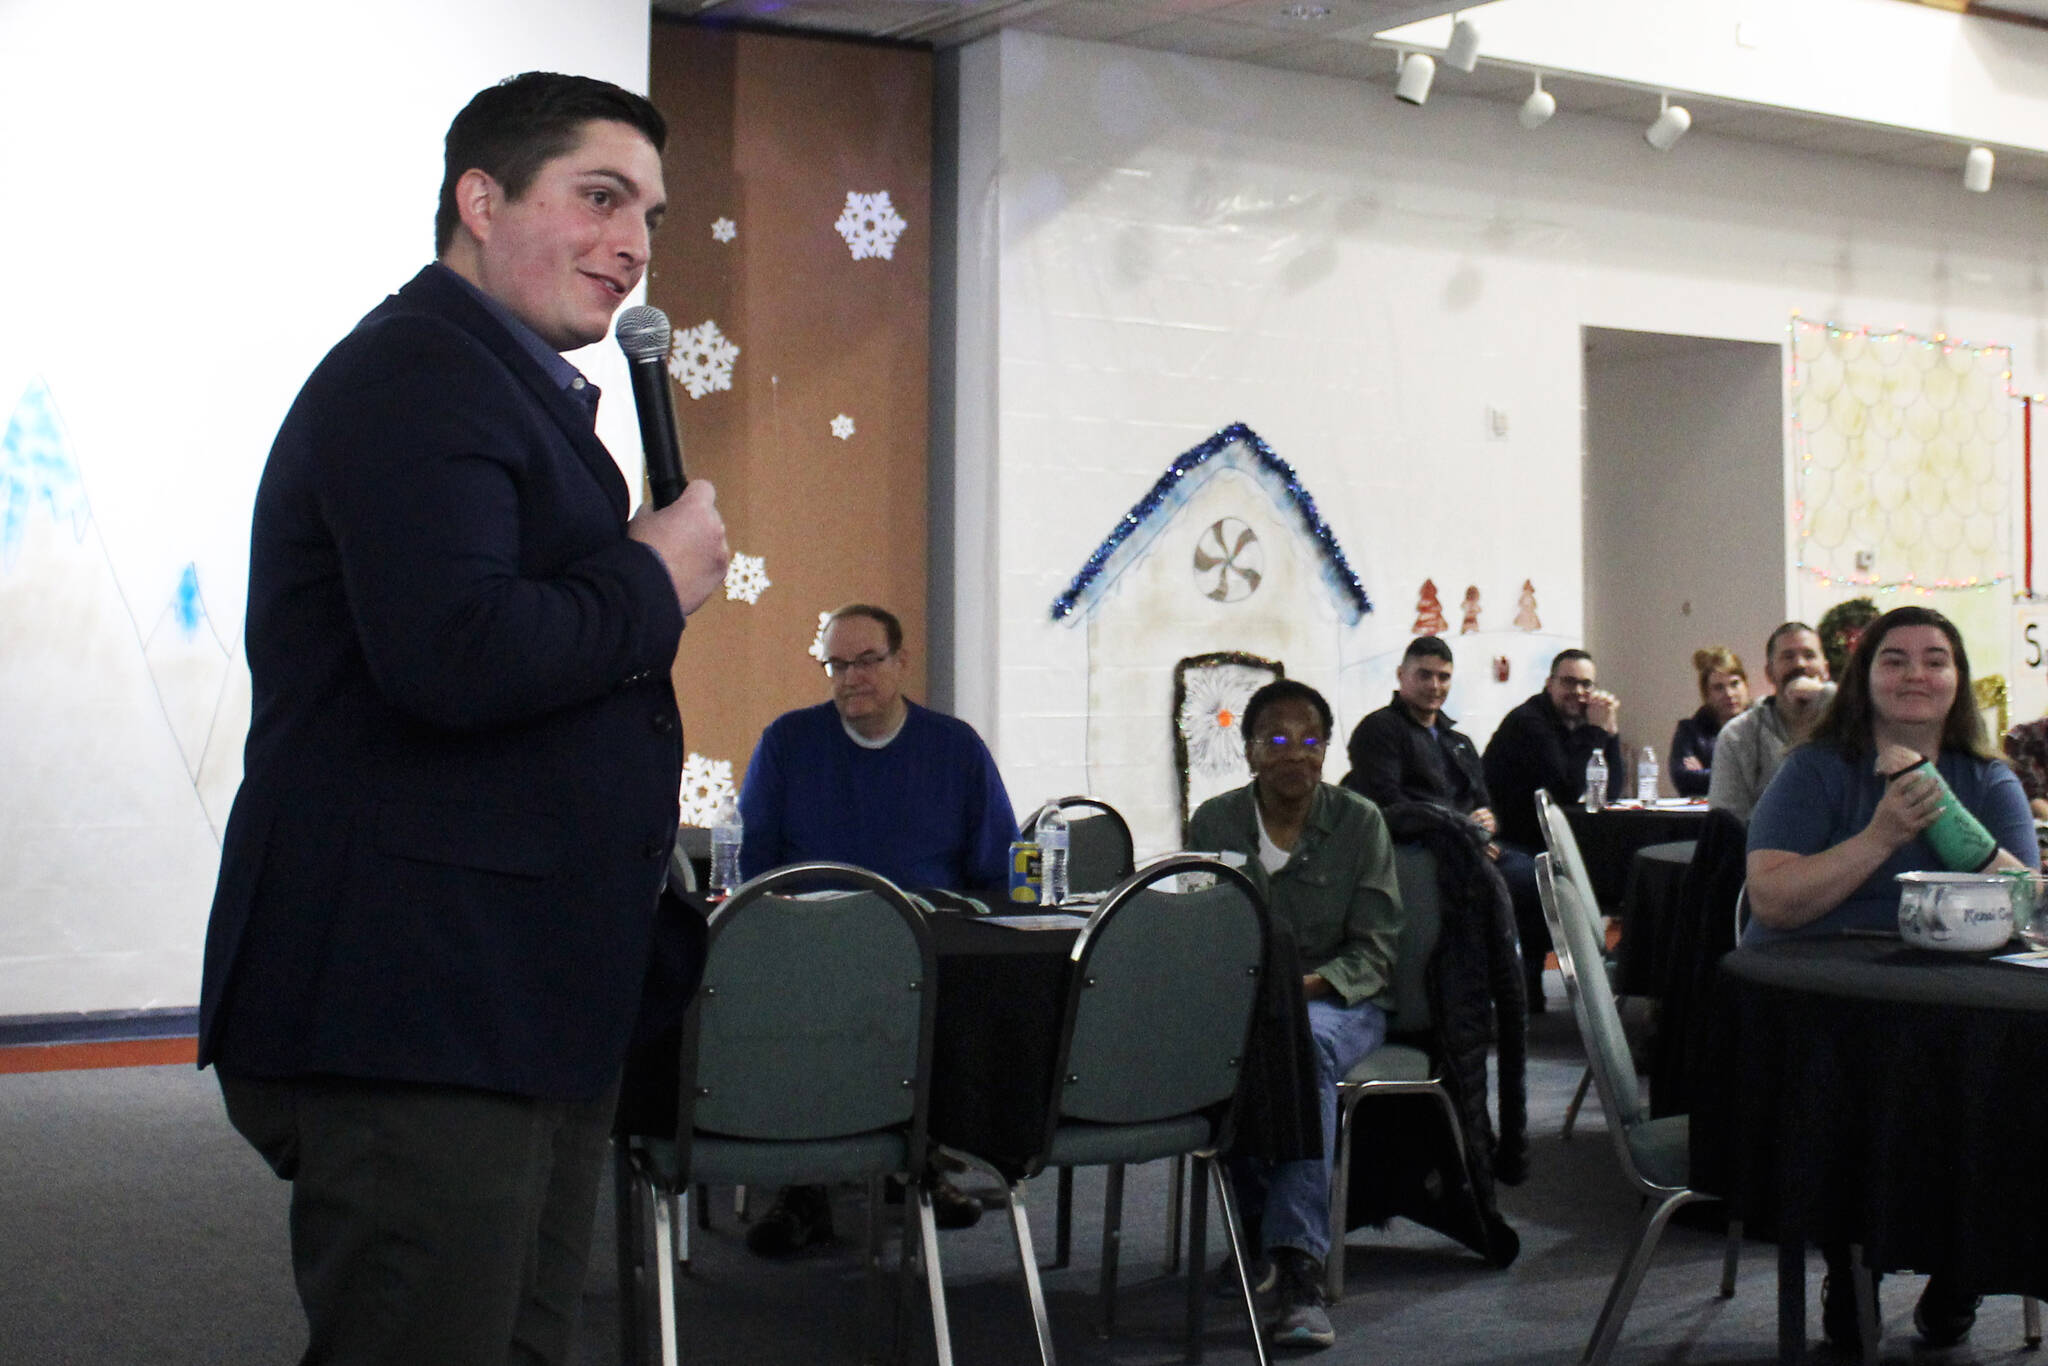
[
  {"x": 745, "y": 578},
  {"x": 706, "y": 785},
  {"x": 870, "y": 225},
  {"x": 724, "y": 230},
  {"x": 817, "y": 650},
  {"x": 701, "y": 359},
  {"x": 842, "y": 427}
]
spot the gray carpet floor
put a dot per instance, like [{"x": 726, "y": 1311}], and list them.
[{"x": 135, "y": 1227}]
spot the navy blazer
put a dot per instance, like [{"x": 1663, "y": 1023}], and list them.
[{"x": 460, "y": 782}]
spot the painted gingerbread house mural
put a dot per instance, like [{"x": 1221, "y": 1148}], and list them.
[{"x": 1221, "y": 572}]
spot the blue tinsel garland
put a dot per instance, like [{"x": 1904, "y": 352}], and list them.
[{"x": 1174, "y": 488}]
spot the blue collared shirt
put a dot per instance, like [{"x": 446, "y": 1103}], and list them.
[{"x": 553, "y": 363}]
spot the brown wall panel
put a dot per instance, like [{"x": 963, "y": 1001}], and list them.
[{"x": 772, "y": 132}]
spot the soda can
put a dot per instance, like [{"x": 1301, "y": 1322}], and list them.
[{"x": 1025, "y": 872}]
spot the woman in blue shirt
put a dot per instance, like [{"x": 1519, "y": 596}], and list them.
[{"x": 1832, "y": 831}]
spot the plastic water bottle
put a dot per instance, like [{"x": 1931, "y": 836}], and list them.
[
  {"x": 727, "y": 831},
  {"x": 1646, "y": 776},
  {"x": 1596, "y": 782},
  {"x": 1052, "y": 853}
]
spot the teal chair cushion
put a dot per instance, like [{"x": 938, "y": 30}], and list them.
[
  {"x": 1662, "y": 1150},
  {"x": 722, "y": 1161},
  {"x": 1392, "y": 1062},
  {"x": 1080, "y": 1144}
]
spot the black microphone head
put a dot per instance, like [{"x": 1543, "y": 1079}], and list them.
[{"x": 643, "y": 333}]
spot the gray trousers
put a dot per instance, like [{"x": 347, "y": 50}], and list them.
[{"x": 430, "y": 1224}]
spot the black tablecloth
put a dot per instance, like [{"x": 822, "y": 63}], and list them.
[
  {"x": 1655, "y": 875},
  {"x": 1862, "y": 1091},
  {"x": 1608, "y": 840}
]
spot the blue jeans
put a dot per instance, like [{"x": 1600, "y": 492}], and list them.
[{"x": 1291, "y": 1200}]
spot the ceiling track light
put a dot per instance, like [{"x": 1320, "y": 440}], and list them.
[
  {"x": 1463, "y": 52},
  {"x": 1537, "y": 109},
  {"x": 1418, "y": 70},
  {"x": 1671, "y": 123},
  {"x": 1977, "y": 168}
]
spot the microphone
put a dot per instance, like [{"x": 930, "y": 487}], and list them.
[{"x": 643, "y": 336}]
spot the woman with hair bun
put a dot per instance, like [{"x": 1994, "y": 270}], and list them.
[{"x": 1724, "y": 693}]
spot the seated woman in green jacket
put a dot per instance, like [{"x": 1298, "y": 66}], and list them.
[{"x": 1321, "y": 857}]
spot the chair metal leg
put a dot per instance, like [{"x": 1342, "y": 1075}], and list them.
[
  {"x": 2030, "y": 1318},
  {"x": 1571, "y": 1111},
  {"x": 1340, "y": 1195},
  {"x": 1176, "y": 1187},
  {"x": 1228, "y": 1204},
  {"x": 1063, "y": 1221},
  {"x": 1198, "y": 1252},
  {"x": 665, "y": 1278},
  {"x": 872, "y": 1272},
  {"x": 1621, "y": 1297},
  {"x": 1020, "y": 1227},
  {"x": 935, "y": 1286},
  {"x": 703, "y": 1207},
  {"x": 1112, "y": 1243},
  {"x": 1729, "y": 1257},
  {"x": 679, "y": 1220}
]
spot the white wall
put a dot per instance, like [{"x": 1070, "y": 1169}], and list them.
[
  {"x": 1182, "y": 243},
  {"x": 1685, "y": 518},
  {"x": 202, "y": 199}
]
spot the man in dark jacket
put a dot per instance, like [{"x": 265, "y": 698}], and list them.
[
  {"x": 1410, "y": 751},
  {"x": 439, "y": 880},
  {"x": 1546, "y": 742}
]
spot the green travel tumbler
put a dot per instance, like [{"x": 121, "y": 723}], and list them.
[{"x": 1958, "y": 838}]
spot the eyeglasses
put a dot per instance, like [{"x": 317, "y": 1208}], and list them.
[
  {"x": 1277, "y": 745},
  {"x": 867, "y": 663}
]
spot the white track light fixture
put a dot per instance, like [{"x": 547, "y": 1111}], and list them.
[
  {"x": 1537, "y": 109},
  {"x": 1418, "y": 69},
  {"x": 1977, "y": 168},
  {"x": 1672, "y": 121},
  {"x": 1463, "y": 52}
]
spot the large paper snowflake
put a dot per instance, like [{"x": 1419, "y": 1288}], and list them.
[
  {"x": 701, "y": 359},
  {"x": 745, "y": 578},
  {"x": 1211, "y": 719},
  {"x": 817, "y": 650},
  {"x": 842, "y": 427},
  {"x": 706, "y": 785},
  {"x": 870, "y": 225},
  {"x": 724, "y": 230}
]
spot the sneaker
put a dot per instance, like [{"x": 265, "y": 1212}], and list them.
[
  {"x": 1223, "y": 1280},
  {"x": 801, "y": 1217},
  {"x": 1838, "y": 1319},
  {"x": 953, "y": 1207},
  {"x": 1302, "y": 1320},
  {"x": 1945, "y": 1315}
]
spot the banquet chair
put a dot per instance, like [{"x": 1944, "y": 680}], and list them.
[
  {"x": 1655, "y": 1154},
  {"x": 1101, "y": 854},
  {"x": 773, "y": 1095},
  {"x": 1564, "y": 852},
  {"x": 1157, "y": 1021},
  {"x": 1395, "y": 1068}
]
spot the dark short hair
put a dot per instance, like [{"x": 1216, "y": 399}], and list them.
[
  {"x": 1848, "y": 725},
  {"x": 1285, "y": 690},
  {"x": 1785, "y": 628},
  {"x": 1566, "y": 657},
  {"x": 519, "y": 125},
  {"x": 1432, "y": 646},
  {"x": 891, "y": 627}
]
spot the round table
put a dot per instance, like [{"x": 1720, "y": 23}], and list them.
[
  {"x": 1656, "y": 874},
  {"x": 1860, "y": 1091},
  {"x": 1608, "y": 840}
]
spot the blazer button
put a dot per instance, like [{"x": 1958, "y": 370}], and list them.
[
  {"x": 655, "y": 849},
  {"x": 663, "y": 723}
]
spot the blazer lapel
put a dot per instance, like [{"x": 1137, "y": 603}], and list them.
[{"x": 448, "y": 299}]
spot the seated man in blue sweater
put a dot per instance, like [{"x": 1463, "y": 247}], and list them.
[{"x": 873, "y": 779}]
